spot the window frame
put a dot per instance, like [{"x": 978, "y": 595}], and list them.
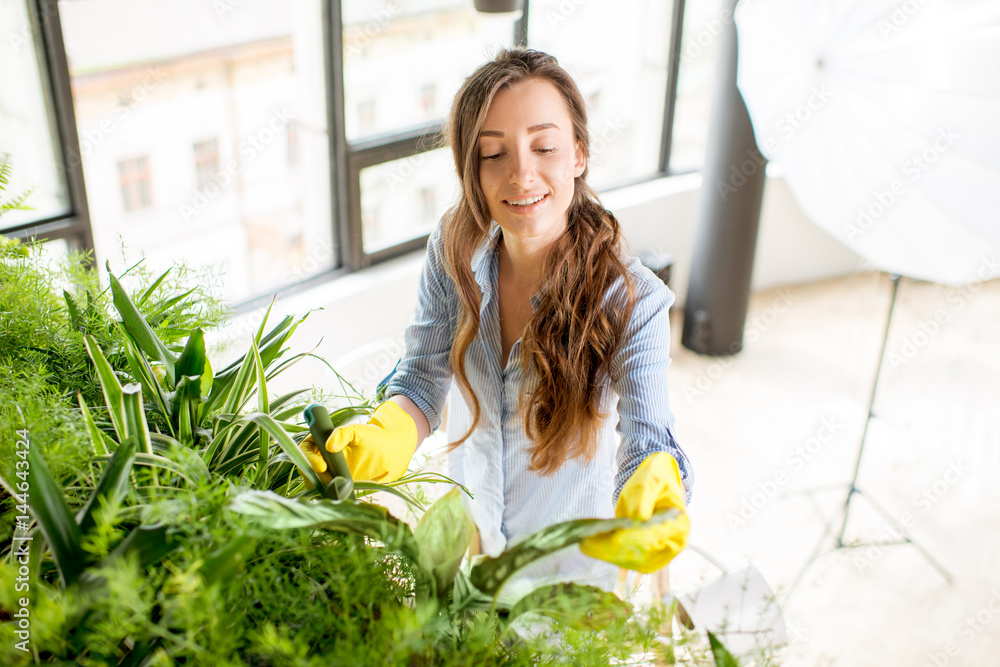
[
  {"x": 347, "y": 159},
  {"x": 73, "y": 226}
]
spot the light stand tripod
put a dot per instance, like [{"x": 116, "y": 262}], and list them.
[{"x": 853, "y": 489}]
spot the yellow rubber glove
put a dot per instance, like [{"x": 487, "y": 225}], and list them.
[
  {"x": 379, "y": 451},
  {"x": 654, "y": 486}
]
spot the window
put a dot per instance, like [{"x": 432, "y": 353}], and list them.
[
  {"x": 158, "y": 78},
  {"x": 134, "y": 179},
  {"x": 704, "y": 21},
  {"x": 624, "y": 80},
  {"x": 28, "y": 125},
  {"x": 206, "y": 162},
  {"x": 312, "y": 127}
]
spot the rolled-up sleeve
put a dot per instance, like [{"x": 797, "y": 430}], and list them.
[
  {"x": 639, "y": 377},
  {"x": 423, "y": 374}
]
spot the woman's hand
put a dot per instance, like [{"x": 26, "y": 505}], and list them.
[
  {"x": 379, "y": 451},
  {"x": 654, "y": 486}
]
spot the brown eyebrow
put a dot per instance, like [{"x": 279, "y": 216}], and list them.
[{"x": 533, "y": 128}]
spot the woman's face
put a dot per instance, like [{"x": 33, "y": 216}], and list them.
[{"x": 528, "y": 158}]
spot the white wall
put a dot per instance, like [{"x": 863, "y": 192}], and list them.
[{"x": 360, "y": 327}]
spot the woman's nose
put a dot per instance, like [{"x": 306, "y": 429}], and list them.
[{"x": 522, "y": 168}]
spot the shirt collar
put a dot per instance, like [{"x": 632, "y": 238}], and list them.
[{"x": 484, "y": 261}]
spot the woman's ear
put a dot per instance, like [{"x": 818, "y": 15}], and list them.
[{"x": 580, "y": 163}]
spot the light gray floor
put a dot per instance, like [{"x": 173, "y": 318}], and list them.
[{"x": 786, "y": 415}]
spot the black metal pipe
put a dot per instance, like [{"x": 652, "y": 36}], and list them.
[{"x": 728, "y": 215}]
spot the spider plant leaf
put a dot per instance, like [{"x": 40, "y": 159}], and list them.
[
  {"x": 50, "y": 510},
  {"x": 111, "y": 487},
  {"x": 97, "y": 437},
  {"x": 135, "y": 418},
  {"x": 143, "y": 372},
  {"x": 287, "y": 445},
  {"x": 110, "y": 385},
  {"x": 139, "y": 329}
]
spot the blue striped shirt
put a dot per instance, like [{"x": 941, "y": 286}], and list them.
[{"x": 512, "y": 502}]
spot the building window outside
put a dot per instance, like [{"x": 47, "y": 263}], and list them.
[
  {"x": 135, "y": 182},
  {"x": 402, "y": 64},
  {"x": 229, "y": 96},
  {"x": 206, "y": 162}
]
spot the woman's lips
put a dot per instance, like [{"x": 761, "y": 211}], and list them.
[{"x": 536, "y": 202}]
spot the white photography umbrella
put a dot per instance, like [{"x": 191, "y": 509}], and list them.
[{"x": 884, "y": 119}]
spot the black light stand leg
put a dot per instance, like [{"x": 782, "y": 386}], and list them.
[{"x": 853, "y": 489}]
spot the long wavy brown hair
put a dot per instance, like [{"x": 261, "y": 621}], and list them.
[{"x": 574, "y": 332}]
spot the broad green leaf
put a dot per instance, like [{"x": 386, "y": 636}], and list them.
[
  {"x": 54, "y": 519},
  {"x": 207, "y": 379},
  {"x": 491, "y": 574},
  {"x": 139, "y": 328},
  {"x": 97, "y": 436},
  {"x": 574, "y": 605},
  {"x": 227, "y": 559},
  {"x": 186, "y": 404},
  {"x": 273, "y": 511},
  {"x": 110, "y": 385},
  {"x": 443, "y": 536},
  {"x": 192, "y": 359},
  {"x": 720, "y": 654},
  {"x": 466, "y": 597},
  {"x": 112, "y": 486}
]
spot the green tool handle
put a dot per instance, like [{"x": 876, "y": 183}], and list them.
[{"x": 321, "y": 426}]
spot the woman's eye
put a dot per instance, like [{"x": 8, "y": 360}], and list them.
[
  {"x": 495, "y": 156},
  {"x": 546, "y": 150}
]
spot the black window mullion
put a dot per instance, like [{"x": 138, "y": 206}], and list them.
[
  {"x": 378, "y": 151},
  {"x": 74, "y": 227},
  {"x": 673, "y": 70},
  {"x": 348, "y": 234}
]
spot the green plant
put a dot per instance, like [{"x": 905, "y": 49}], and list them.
[
  {"x": 17, "y": 203},
  {"x": 172, "y": 524}
]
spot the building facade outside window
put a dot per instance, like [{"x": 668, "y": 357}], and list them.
[
  {"x": 136, "y": 183},
  {"x": 315, "y": 150}
]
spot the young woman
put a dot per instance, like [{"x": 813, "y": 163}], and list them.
[{"x": 554, "y": 336}]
